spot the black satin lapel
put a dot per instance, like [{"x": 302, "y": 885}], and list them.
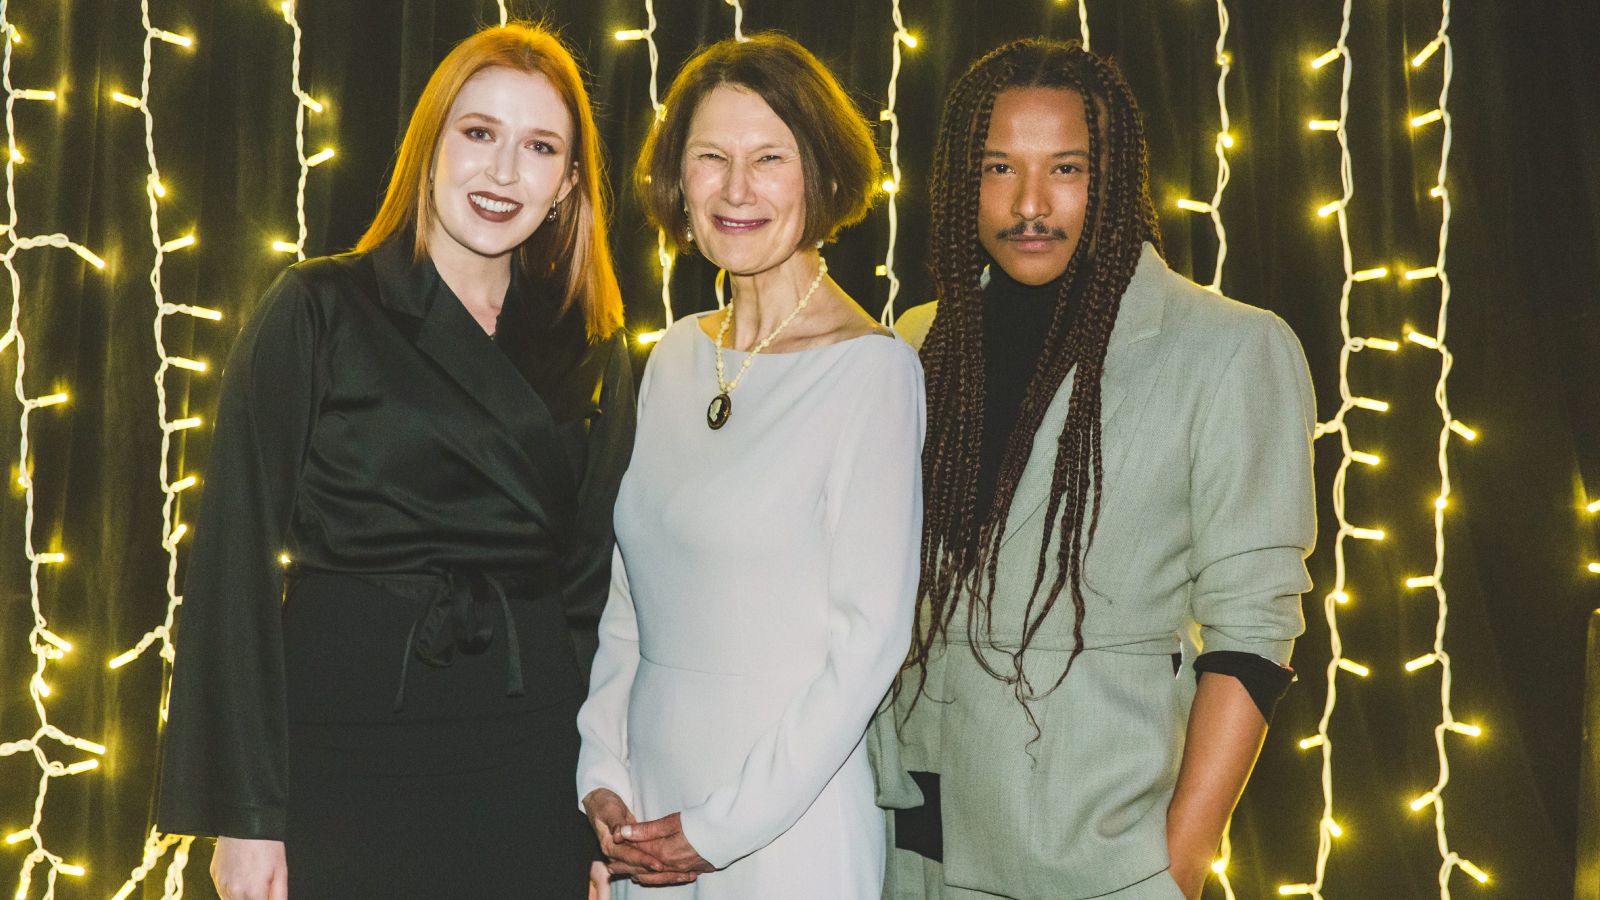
[{"x": 452, "y": 339}]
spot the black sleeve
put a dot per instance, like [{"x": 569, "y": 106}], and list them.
[
  {"x": 224, "y": 751},
  {"x": 588, "y": 581},
  {"x": 1265, "y": 680}
]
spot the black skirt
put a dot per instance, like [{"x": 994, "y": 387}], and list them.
[{"x": 463, "y": 792}]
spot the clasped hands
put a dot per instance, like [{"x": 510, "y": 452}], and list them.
[{"x": 651, "y": 853}]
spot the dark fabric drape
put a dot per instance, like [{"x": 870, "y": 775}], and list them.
[{"x": 1525, "y": 329}]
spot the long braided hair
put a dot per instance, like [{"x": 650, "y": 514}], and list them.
[{"x": 961, "y": 543}]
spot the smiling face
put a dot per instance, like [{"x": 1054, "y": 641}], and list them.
[
  {"x": 1034, "y": 192},
  {"x": 504, "y": 159},
  {"x": 743, "y": 182}
]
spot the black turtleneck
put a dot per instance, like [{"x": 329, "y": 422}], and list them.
[{"x": 1016, "y": 317}]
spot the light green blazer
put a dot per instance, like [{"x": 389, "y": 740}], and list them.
[{"x": 1207, "y": 416}]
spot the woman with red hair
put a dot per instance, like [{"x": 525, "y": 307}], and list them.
[{"x": 429, "y": 432}]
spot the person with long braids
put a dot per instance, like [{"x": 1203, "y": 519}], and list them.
[
  {"x": 1116, "y": 457},
  {"x": 433, "y": 429},
  {"x": 767, "y": 529}
]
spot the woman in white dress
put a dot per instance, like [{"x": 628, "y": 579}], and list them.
[{"x": 768, "y": 526}]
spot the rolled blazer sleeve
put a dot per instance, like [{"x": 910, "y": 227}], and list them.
[
  {"x": 1253, "y": 512},
  {"x": 875, "y": 505},
  {"x": 225, "y": 748}
]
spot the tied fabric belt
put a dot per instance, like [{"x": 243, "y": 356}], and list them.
[{"x": 460, "y": 612}]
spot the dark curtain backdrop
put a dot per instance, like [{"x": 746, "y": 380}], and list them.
[{"x": 1523, "y": 250}]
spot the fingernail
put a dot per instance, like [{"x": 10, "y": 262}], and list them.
[{"x": 627, "y": 831}]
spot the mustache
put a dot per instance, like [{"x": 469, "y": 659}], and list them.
[{"x": 1036, "y": 229}]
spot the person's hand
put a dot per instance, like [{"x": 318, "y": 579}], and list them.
[
  {"x": 663, "y": 839},
  {"x": 1189, "y": 871},
  {"x": 607, "y": 814},
  {"x": 244, "y": 869},
  {"x": 599, "y": 881}
]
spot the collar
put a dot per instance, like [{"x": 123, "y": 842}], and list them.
[
  {"x": 997, "y": 283},
  {"x": 1144, "y": 301},
  {"x": 443, "y": 330},
  {"x": 405, "y": 286}
]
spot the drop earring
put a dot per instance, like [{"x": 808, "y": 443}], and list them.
[{"x": 551, "y": 215}]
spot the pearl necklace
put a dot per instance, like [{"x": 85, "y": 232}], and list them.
[{"x": 721, "y": 406}]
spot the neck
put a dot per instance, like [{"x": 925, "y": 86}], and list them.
[
  {"x": 479, "y": 281},
  {"x": 763, "y": 300}
]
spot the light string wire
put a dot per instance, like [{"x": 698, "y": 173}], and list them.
[
  {"x": 505, "y": 16},
  {"x": 663, "y": 258},
  {"x": 1222, "y": 143},
  {"x": 304, "y": 103},
  {"x": 1592, "y": 507},
  {"x": 1439, "y": 656},
  {"x": 1083, "y": 21},
  {"x": 738, "y": 19},
  {"x": 172, "y": 529},
  {"x": 46, "y": 645},
  {"x": 891, "y": 185},
  {"x": 1327, "y": 827}
]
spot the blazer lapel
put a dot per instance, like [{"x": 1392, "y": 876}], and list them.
[
  {"x": 447, "y": 334},
  {"x": 1138, "y": 319}
]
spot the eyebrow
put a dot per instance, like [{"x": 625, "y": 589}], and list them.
[
  {"x": 495, "y": 120},
  {"x": 708, "y": 142},
  {"x": 1001, "y": 154}
]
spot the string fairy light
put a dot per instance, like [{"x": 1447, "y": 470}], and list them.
[
  {"x": 1438, "y": 656},
  {"x": 891, "y": 185},
  {"x": 1592, "y": 507},
  {"x": 305, "y": 103},
  {"x": 1221, "y": 144},
  {"x": 505, "y": 15},
  {"x": 663, "y": 258},
  {"x": 172, "y": 530},
  {"x": 738, "y": 19},
  {"x": 1328, "y": 827},
  {"x": 46, "y": 645},
  {"x": 1083, "y": 21}
]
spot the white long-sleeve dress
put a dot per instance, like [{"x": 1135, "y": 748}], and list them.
[{"x": 761, "y": 603}]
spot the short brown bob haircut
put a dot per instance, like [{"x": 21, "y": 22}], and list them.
[
  {"x": 571, "y": 251},
  {"x": 837, "y": 152}
]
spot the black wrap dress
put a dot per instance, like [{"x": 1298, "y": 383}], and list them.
[{"x": 397, "y": 702}]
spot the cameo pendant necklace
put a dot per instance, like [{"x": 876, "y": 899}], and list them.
[{"x": 721, "y": 406}]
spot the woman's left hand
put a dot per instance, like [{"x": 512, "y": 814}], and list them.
[{"x": 663, "y": 838}]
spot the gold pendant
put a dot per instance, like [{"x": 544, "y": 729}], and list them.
[{"x": 720, "y": 409}]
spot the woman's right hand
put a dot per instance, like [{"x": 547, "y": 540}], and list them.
[
  {"x": 607, "y": 813},
  {"x": 244, "y": 869}
]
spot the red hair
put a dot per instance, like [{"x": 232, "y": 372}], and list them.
[{"x": 571, "y": 249}]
